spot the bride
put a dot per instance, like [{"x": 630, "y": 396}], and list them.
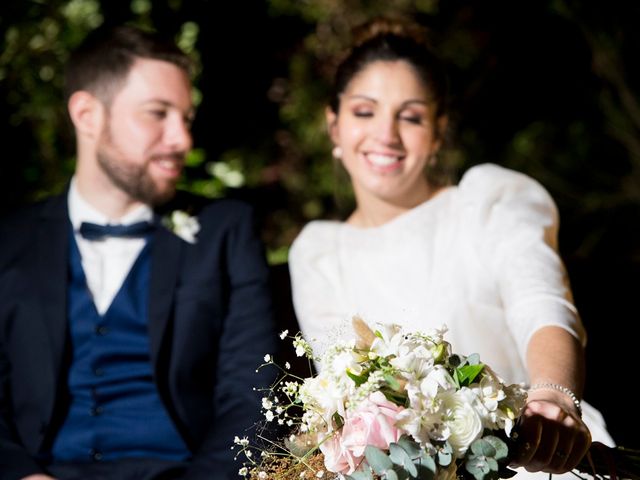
[{"x": 480, "y": 256}]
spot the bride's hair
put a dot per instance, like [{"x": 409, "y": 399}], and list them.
[
  {"x": 392, "y": 39},
  {"x": 388, "y": 39}
]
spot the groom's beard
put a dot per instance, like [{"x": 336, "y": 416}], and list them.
[{"x": 133, "y": 179}]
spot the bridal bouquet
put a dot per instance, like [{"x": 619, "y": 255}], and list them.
[{"x": 388, "y": 405}]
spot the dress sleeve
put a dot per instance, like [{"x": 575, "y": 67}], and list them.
[
  {"x": 516, "y": 228},
  {"x": 316, "y": 283}
]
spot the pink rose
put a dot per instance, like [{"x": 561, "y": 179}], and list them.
[{"x": 372, "y": 423}]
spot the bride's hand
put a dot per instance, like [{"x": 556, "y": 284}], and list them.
[{"x": 551, "y": 437}]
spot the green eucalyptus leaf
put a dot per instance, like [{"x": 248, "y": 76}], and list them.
[
  {"x": 445, "y": 455},
  {"x": 493, "y": 464},
  {"x": 410, "y": 446},
  {"x": 425, "y": 460},
  {"x": 476, "y": 465},
  {"x": 483, "y": 447},
  {"x": 378, "y": 460},
  {"x": 501, "y": 448},
  {"x": 473, "y": 359},
  {"x": 390, "y": 475},
  {"x": 480, "y": 476},
  {"x": 360, "y": 475},
  {"x": 401, "y": 458}
]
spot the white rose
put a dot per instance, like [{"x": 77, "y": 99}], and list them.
[{"x": 461, "y": 419}]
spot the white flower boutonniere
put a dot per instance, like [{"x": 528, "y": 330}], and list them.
[{"x": 183, "y": 225}]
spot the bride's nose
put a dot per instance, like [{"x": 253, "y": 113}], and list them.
[{"x": 386, "y": 130}]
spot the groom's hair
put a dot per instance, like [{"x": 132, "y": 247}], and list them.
[{"x": 101, "y": 64}]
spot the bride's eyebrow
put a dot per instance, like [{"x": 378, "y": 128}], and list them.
[{"x": 406, "y": 103}]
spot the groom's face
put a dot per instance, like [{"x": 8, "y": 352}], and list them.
[{"x": 146, "y": 132}]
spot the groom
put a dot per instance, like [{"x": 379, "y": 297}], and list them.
[{"x": 129, "y": 351}]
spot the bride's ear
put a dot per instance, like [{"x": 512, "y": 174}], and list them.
[
  {"x": 442, "y": 123},
  {"x": 332, "y": 127}
]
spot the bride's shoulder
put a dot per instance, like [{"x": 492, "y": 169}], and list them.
[
  {"x": 315, "y": 237},
  {"x": 489, "y": 183},
  {"x": 500, "y": 198}
]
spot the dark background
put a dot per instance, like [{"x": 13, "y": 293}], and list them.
[{"x": 549, "y": 88}]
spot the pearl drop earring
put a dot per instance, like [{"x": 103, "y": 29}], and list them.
[{"x": 337, "y": 152}]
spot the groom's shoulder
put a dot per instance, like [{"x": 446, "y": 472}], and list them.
[
  {"x": 220, "y": 210},
  {"x": 31, "y": 214},
  {"x": 20, "y": 227}
]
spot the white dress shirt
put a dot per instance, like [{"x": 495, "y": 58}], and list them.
[{"x": 106, "y": 263}]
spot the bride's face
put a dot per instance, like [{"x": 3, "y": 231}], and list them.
[{"x": 385, "y": 128}]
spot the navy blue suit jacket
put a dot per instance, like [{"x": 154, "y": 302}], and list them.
[{"x": 210, "y": 324}]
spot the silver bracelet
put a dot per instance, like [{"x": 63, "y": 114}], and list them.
[{"x": 560, "y": 388}]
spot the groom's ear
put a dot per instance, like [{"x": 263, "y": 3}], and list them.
[
  {"x": 87, "y": 114},
  {"x": 332, "y": 127}
]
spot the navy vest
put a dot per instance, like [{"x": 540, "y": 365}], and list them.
[{"x": 115, "y": 410}]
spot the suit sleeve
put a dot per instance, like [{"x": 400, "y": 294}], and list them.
[
  {"x": 15, "y": 461},
  {"x": 248, "y": 334}
]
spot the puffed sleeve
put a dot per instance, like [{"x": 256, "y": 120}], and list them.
[
  {"x": 515, "y": 224},
  {"x": 316, "y": 281}
]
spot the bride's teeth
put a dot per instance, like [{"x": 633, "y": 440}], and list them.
[
  {"x": 167, "y": 164},
  {"x": 382, "y": 160}
]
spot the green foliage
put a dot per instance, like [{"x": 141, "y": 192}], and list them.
[
  {"x": 406, "y": 460},
  {"x": 488, "y": 459}
]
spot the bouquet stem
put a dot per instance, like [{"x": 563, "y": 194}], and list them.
[{"x": 614, "y": 463}]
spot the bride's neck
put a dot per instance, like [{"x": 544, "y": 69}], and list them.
[{"x": 372, "y": 211}]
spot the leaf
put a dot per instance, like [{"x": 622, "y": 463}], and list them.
[
  {"x": 401, "y": 458},
  {"x": 473, "y": 359},
  {"x": 358, "y": 379},
  {"x": 360, "y": 475},
  {"x": 445, "y": 455},
  {"x": 392, "y": 382},
  {"x": 502, "y": 450},
  {"x": 410, "y": 446},
  {"x": 391, "y": 475},
  {"x": 425, "y": 460},
  {"x": 475, "y": 465},
  {"x": 395, "y": 397},
  {"x": 378, "y": 460},
  {"x": 483, "y": 448},
  {"x": 467, "y": 373}
]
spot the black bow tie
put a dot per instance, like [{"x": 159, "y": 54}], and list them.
[{"x": 93, "y": 231}]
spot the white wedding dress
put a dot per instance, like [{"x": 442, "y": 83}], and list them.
[{"x": 480, "y": 257}]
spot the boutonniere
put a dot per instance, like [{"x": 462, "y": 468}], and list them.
[{"x": 183, "y": 225}]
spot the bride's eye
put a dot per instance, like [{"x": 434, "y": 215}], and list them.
[
  {"x": 363, "y": 113},
  {"x": 412, "y": 119}
]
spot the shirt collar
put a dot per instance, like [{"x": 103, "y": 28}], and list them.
[{"x": 81, "y": 211}]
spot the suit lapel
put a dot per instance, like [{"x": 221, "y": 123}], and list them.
[
  {"x": 165, "y": 265},
  {"x": 51, "y": 272}
]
